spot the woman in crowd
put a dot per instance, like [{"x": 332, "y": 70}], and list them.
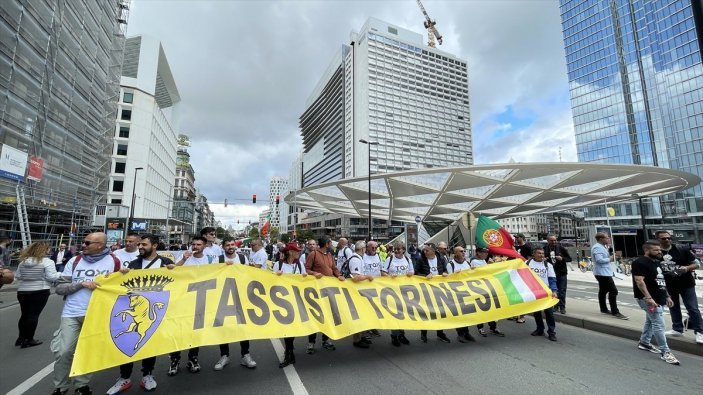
[
  {"x": 289, "y": 264},
  {"x": 35, "y": 273}
]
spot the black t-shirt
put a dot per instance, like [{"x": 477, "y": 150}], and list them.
[
  {"x": 525, "y": 250},
  {"x": 653, "y": 279},
  {"x": 141, "y": 263},
  {"x": 680, "y": 256}
]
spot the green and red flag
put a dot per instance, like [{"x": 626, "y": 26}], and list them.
[
  {"x": 267, "y": 225},
  {"x": 489, "y": 234}
]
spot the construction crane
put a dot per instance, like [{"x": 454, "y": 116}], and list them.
[{"x": 432, "y": 32}]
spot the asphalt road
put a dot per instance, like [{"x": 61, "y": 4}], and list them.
[{"x": 580, "y": 362}]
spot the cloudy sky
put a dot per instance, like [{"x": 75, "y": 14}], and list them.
[{"x": 244, "y": 70}]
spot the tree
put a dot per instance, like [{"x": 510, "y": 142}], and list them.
[
  {"x": 304, "y": 234},
  {"x": 274, "y": 233},
  {"x": 254, "y": 233},
  {"x": 285, "y": 238},
  {"x": 222, "y": 233}
]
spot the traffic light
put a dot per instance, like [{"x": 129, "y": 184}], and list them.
[
  {"x": 225, "y": 202},
  {"x": 278, "y": 198},
  {"x": 253, "y": 199}
]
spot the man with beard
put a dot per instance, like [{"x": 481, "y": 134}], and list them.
[
  {"x": 230, "y": 257},
  {"x": 678, "y": 265},
  {"x": 558, "y": 256},
  {"x": 129, "y": 252},
  {"x": 650, "y": 291},
  {"x": 147, "y": 259}
]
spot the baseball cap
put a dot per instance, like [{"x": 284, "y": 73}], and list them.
[{"x": 481, "y": 249}]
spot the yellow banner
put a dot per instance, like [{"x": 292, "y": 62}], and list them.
[{"x": 152, "y": 312}]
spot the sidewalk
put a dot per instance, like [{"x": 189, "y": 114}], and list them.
[{"x": 587, "y": 315}]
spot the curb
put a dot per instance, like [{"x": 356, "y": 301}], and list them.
[{"x": 627, "y": 333}]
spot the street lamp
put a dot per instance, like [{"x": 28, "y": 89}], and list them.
[
  {"x": 369, "y": 143},
  {"x": 134, "y": 197}
]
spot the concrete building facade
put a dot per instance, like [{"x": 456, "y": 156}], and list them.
[{"x": 145, "y": 131}]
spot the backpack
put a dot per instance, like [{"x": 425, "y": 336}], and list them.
[
  {"x": 344, "y": 270},
  {"x": 297, "y": 264},
  {"x": 118, "y": 264}
]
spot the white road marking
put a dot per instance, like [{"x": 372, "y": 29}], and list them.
[
  {"x": 30, "y": 382},
  {"x": 296, "y": 384}
]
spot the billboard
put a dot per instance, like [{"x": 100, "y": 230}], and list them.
[
  {"x": 138, "y": 225},
  {"x": 13, "y": 163},
  {"x": 36, "y": 168}
]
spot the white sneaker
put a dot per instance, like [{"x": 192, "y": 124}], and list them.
[
  {"x": 148, "y": 383},
  {"x": 248, "y": 361},
  {"x": 224, "y": 361},
  {"x": 120, "y": 385},
  {"x": 670, "y": 358},
  {"x": 673, "y": 333},
  {"x": 699, "y": 337}
]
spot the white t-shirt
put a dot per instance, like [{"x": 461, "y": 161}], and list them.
[
  {"x": 76, "y": 303},
  {"x": 453, "y": 266},
  {"x": 541, "y": 271},
  {"x": 372, "y": 265},
  {"x": 398, "y": 266},
  {"x": 213, "y": 250},
  {"x": 126, "y": 257},
  {"x": 235, "y": 259},
  {"x": 259, "y": 258},
  {"x": 342, "y": 255},
  {"x": 433, "y": 265},
  {"x": 203, "y": 260},
  {"x": 477, "y": 263},
  {"x": 289, "y": 268}
]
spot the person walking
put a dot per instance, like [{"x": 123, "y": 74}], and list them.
[
  {"x": 289, "y": 264},
  {"x": 146, "y": 260},
  {"x": 35, "y": 273},
  {"x": 544, "y": 270},
  {"x": 603, "y": 272},
  {"x": 650, "y": 291},
  {"x": 481, "y": 259},
  {"x": 77, "y": 283},
  {"x": 429, "y": 265},
  {"x": 61, "y": 256},
  {"x": 456, "y": 265},
  {"x": 558, "y": 256},
  {"x": 398, "y": 264},
  {"x": 678, "y": 265}
]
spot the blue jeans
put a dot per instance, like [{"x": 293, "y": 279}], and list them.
[
  {"x": 549, "y": 315},
  {"x": 653, "y": 326},
  {"x": 688, "y": 295},
  {"x": 561, "y": 290}
]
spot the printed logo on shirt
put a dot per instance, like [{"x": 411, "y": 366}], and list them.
[{"x": 80, "y": 275}]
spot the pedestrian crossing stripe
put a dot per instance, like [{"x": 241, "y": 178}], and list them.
[{"x": 521, "y": 286}]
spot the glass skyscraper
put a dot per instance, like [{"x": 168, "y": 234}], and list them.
[{"x": 636, "y": 83}]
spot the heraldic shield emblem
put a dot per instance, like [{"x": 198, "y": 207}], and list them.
[{"x": 136, "y": 315}]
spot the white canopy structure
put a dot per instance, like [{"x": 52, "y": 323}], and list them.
[{"x": 499, "y": 190}]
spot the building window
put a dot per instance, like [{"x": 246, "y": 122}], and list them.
[
  {"x": 128, "y": 97},
  {"x": 116, "y": 201},
  {"x": 126, "y": 115},
  {"x": 122, "y": 149},
  {"x": 117, "y": 186},
  {"x": 120, "y": 167},
  {"x": 124, "y": 131}
]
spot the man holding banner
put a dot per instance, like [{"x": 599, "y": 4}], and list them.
[
  {"x": 147, "y": 259},
  {"x": 545, "y": 272},
  {"x": 321, "y": 263},
  {"x": 398, "y": 264},
  {"x": 456, "y": 265}
]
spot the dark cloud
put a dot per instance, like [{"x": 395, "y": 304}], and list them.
[{"x": 244, "y": 70}]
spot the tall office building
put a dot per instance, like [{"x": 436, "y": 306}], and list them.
[
  {"x": 60, "y": 65},
  {"x": 387, "y": 87},
  {"x": 278, "y": 187},
  {"x": 636, "y": 83},
  {"x": 145, "y": 132}
]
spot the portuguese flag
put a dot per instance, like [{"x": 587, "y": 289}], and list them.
[
  {"x": 521, "y": 286},
  {"x": 489, "y": 234}
]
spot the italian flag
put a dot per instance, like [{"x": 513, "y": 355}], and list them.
[{"x": 521, "y": 285}]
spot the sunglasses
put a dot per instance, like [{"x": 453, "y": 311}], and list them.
[
  {"x": 665, "y": 238},
  {"x": 86, "y": 242}
]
